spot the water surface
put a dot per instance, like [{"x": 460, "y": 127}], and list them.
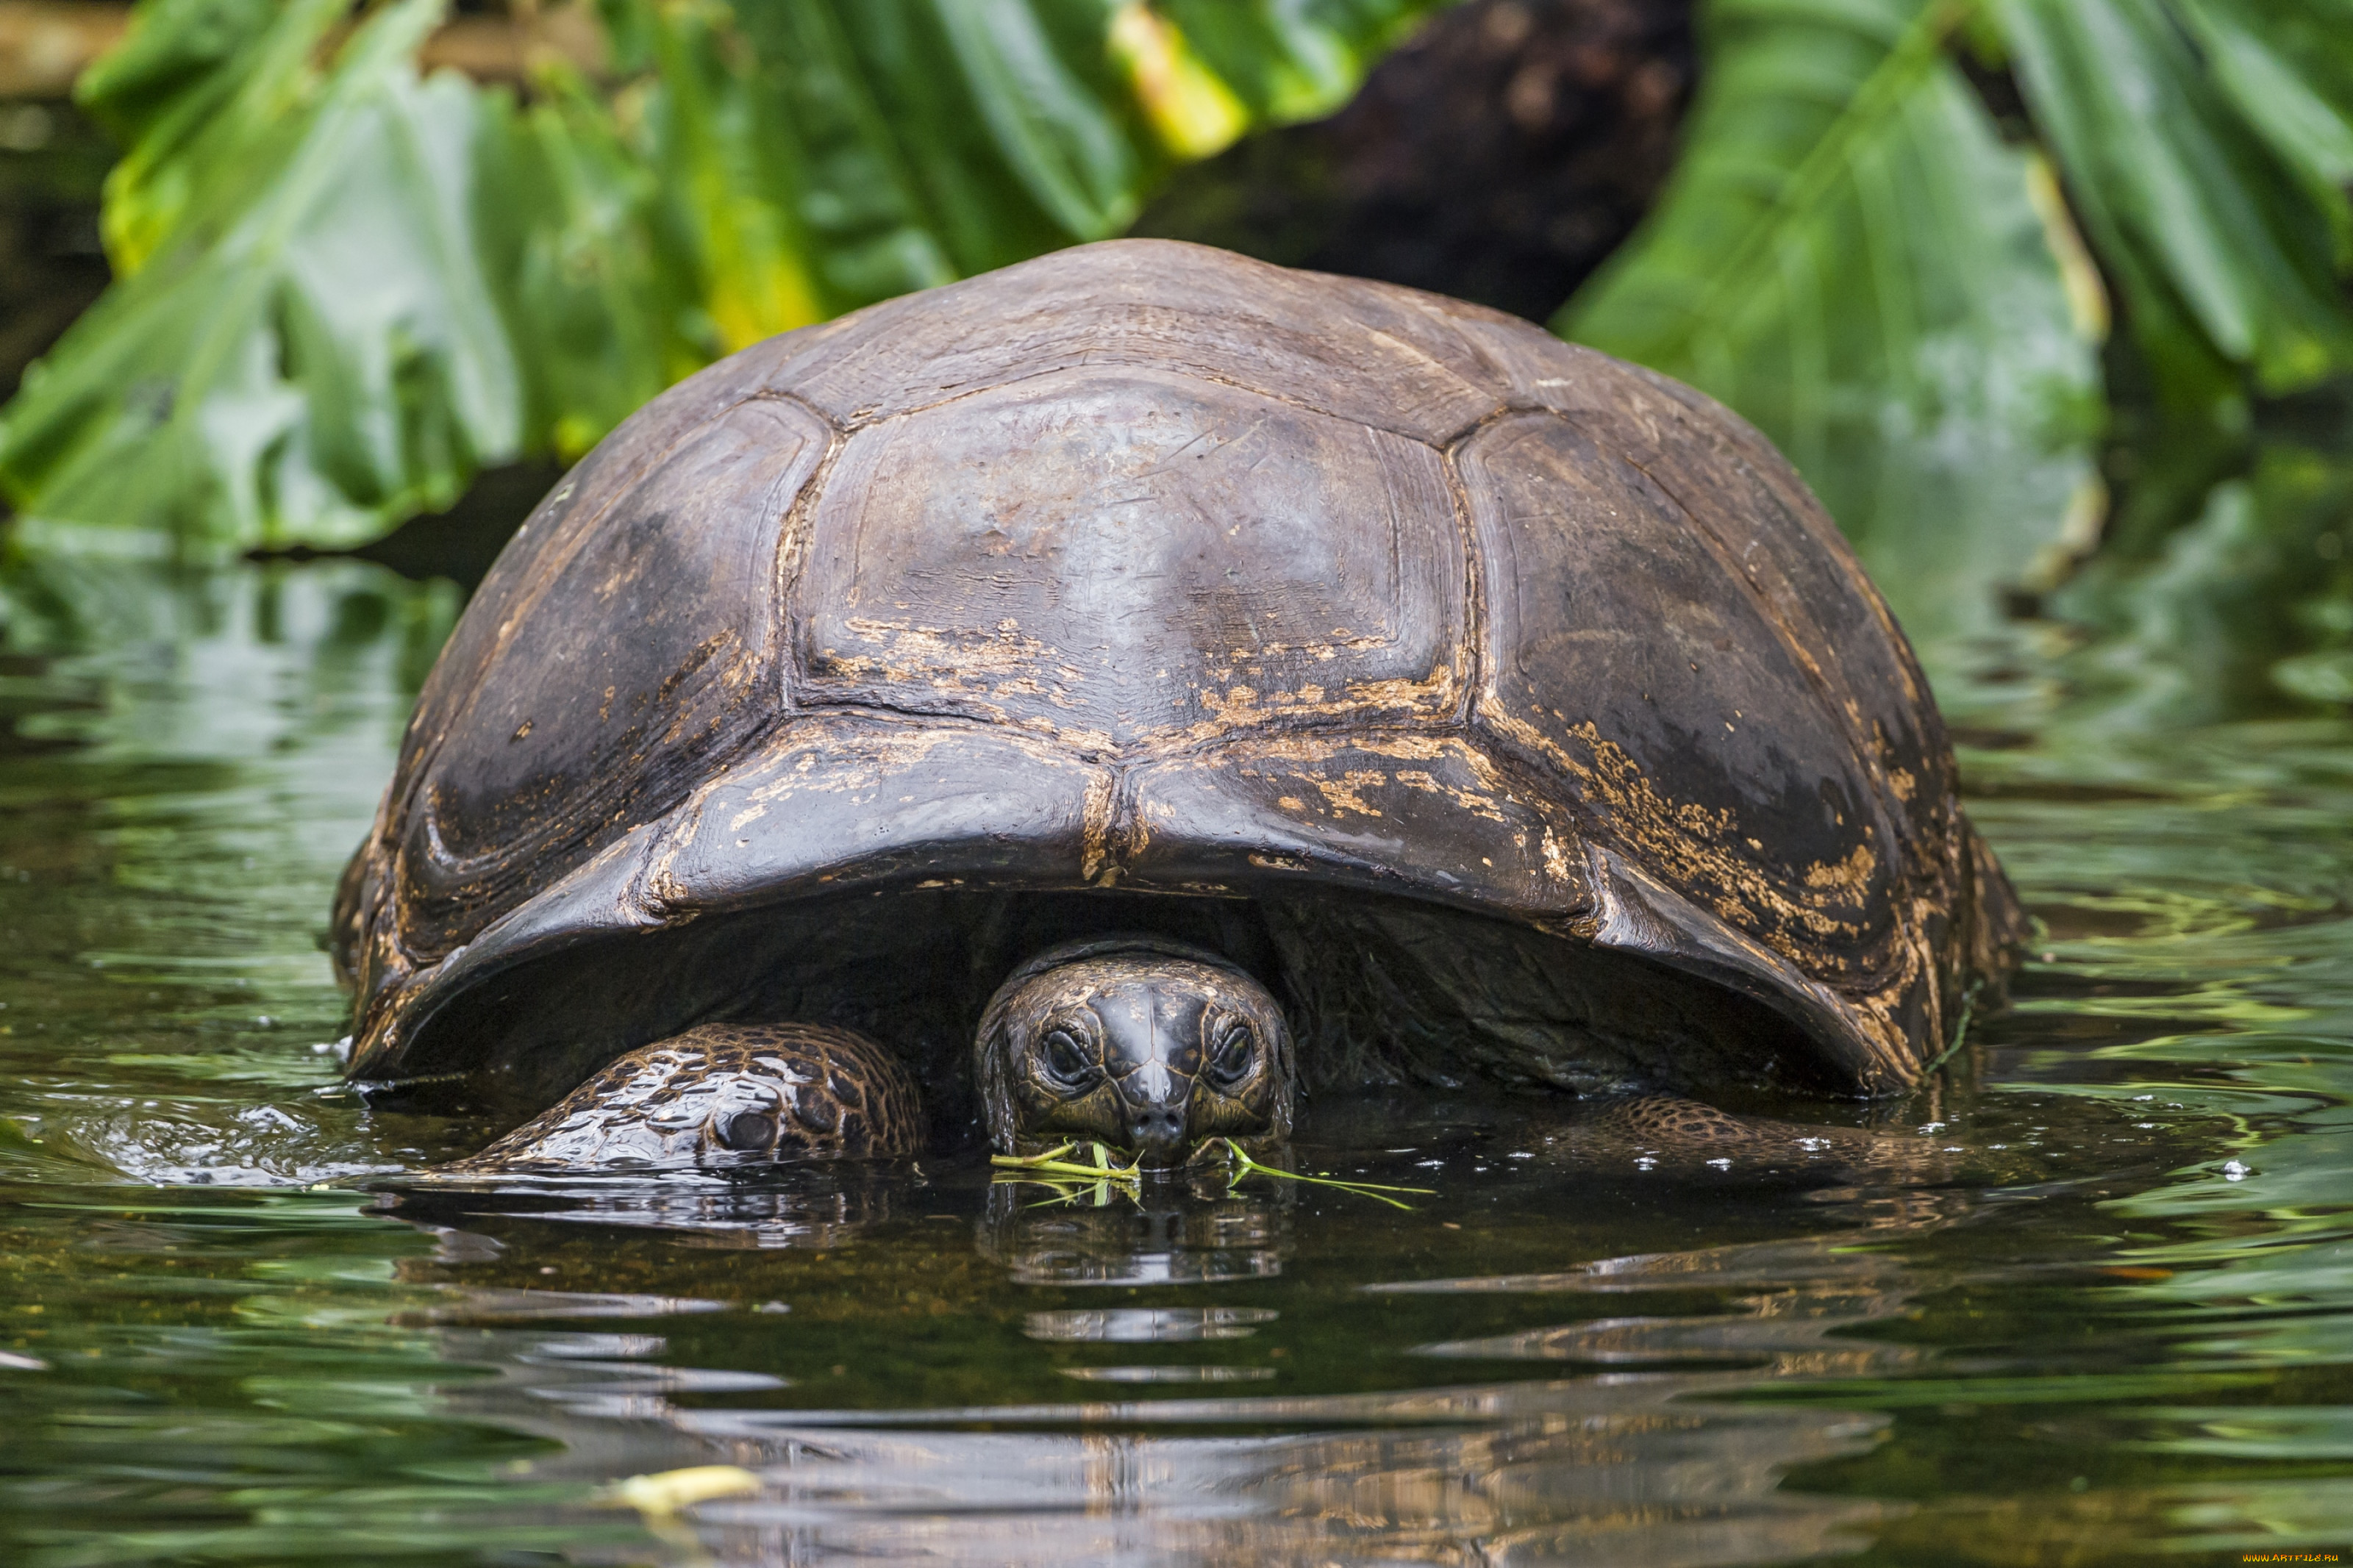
[{"x": 2106, "y": 1314}]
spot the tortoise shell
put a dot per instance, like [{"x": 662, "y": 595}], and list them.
[{"x": 1507, "y": 707}]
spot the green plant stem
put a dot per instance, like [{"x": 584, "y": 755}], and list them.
[
  {"x": 1960, "y": 1035},
  {"x": 1371, "y": 1189},
  {"x": 1051, "y": 1164}
]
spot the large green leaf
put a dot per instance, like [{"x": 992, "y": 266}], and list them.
[
  {"x": 341, "y": 288},
  {"x": 2287, "y": 67},
  {"x": 2206, "y": 145},
  {"x": 600, "y": 313},
  {"x": 191, "y": 93},
  {"x": 306, "y": 344},
  {"x": 1850, "y": 254}
]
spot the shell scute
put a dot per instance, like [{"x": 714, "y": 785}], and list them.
[
  {"x": 1119, "y": 556},
  {"x": 1629, "y": 660},
  {"x": 1365, "y": 353},
  {"x": 640, "y": 661},
  {"x": 1358, "y": 807}
]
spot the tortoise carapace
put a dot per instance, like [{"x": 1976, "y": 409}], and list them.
[{"x": 1114, "y": 690}]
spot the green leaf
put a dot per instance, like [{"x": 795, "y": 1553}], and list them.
[
  {"x": 198, "y": 91},
  {"x": 2211, "y": 187},
  {"x": 2287, "y": 67},
  {"x": 564, "y": 219},
  {"x": 1850, "y": 255},
  {"x": 341, "y": 288},
  {"x": 1061, "y": 135},
  {"x": 1287, "y": 62},
  {"x": 310, "y": 348}
]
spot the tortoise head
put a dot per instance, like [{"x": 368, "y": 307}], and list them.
[{"x": 1148, "y": 1046}]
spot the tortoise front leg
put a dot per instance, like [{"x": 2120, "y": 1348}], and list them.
[{"x": 725, "y": 1094}]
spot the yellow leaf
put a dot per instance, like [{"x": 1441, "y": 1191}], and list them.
[
  {"x": 2087, "y": 298},
  {"x": 773, "y": 298},
  {"x": 576, "y": 433},
  {"x": 667, "y": 1492},
  {"x": 1192, "y": 112}
]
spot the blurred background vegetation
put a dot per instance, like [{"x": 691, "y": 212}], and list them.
[{"x": 2049, "y": 298}]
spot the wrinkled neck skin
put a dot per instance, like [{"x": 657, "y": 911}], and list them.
[{"x": 1153, "y": 1049}]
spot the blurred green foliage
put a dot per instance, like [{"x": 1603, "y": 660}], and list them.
[
  {"x": 1847, "y": 200},
  {"x": 343, "y": 287},
  {"x": 1895, "y": 239},
  {"x": 1912, "y": 292},
  {"x": 1852, "y": 254}
]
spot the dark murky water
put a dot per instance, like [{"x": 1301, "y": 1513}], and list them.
[{"x": 2117, "y": 1321}]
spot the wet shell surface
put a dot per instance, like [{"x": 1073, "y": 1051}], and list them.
[{"x": 1510, "y": 709}]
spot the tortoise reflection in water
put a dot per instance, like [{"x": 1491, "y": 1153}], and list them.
[{"x": 1210, "y": 679}]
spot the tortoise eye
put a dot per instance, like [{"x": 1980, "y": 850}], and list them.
[
  {"x": 1065, "y": 1058},
  {"x": 1232, "y": 1052}
]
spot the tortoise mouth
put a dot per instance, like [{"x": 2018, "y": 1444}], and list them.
[
  {"x": 1152, "y": 1159},
  {"x": 1188, "y": 1159}
]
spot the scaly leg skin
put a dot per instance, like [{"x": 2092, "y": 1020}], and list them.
[
  {"x": 1666, "y": 1121},
  {"x": 725, "y": 1094},
  {"x": 1656, "y": 1129}
]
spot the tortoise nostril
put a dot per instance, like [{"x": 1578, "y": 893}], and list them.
[{"x": 1157, "y": 1125}]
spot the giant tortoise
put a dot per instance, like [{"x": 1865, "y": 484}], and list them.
[{"x": 1103, "y": 694}]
